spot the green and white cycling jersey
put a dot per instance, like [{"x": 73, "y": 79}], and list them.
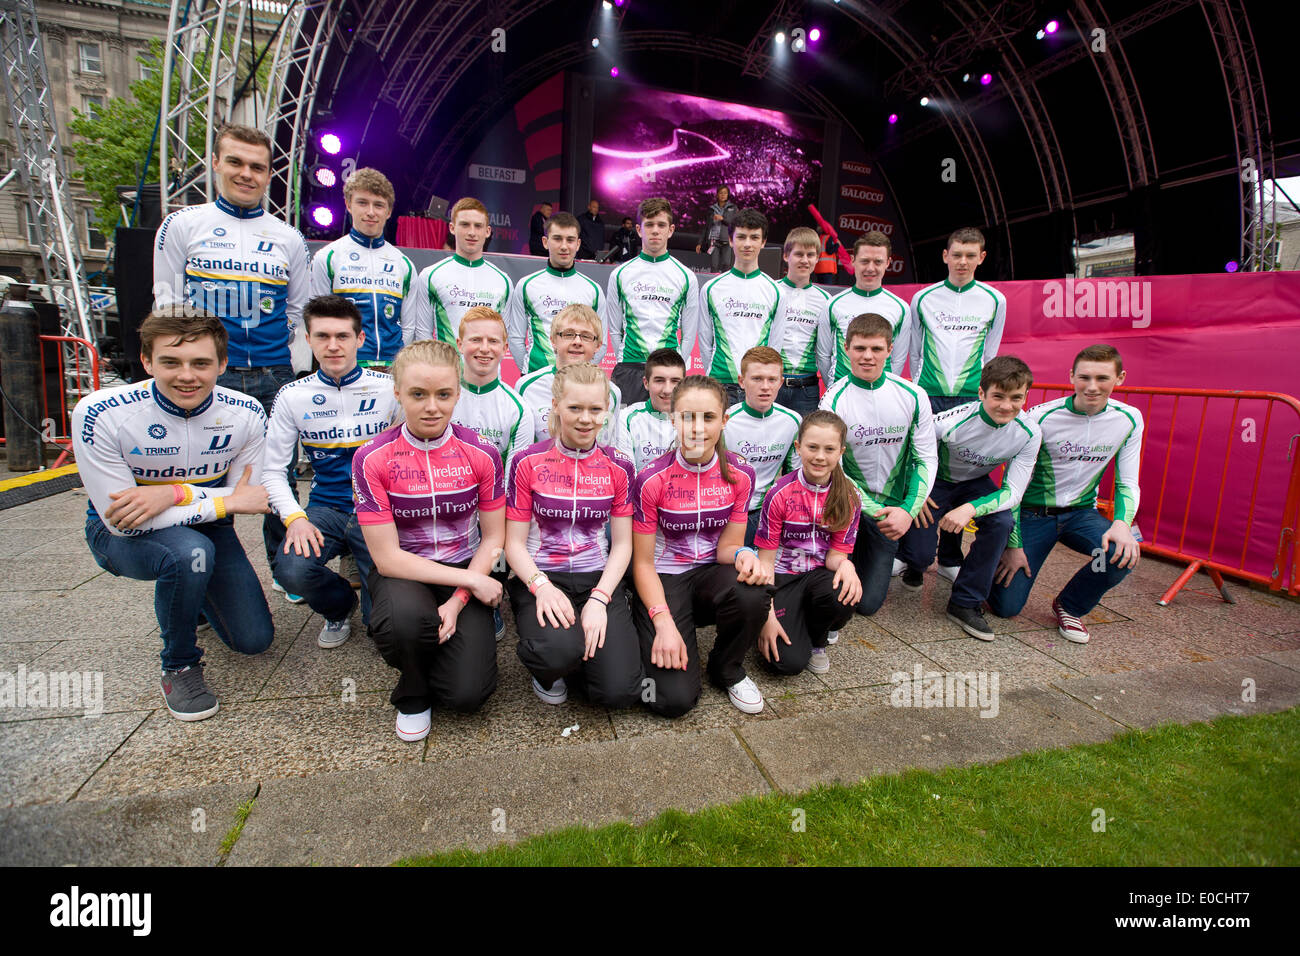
[
  {"x": 765, "y": 440},
  {"x": 644, "y": 434},
  {"x": 971, "y": 444},
  {"x": 891, "y": 455},
  {"x": 801, "y": 331},
  {"x": 736, "y": 313},
  {"x": 654, "y": 303},
  {"x": 954, "y": 334},
  {"x": 498, "y": 413},
  {"x": 538, "y": 299},
  {"x": 853, "y": 302},
  {"x": 535, "y": 389},
  {"x": 1075, "y": 452},
  {"x": 448, "y": 289}
]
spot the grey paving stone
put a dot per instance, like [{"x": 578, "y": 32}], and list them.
[
  {"x": 846, "y": 746},
  {"x": 25, "y": 540},
  {"x": 378, "y": 817},
  {"x": 1289, "y": 658},
  {"x": 54, "y": 572},
  {"x": 104, "y": 614},
  {"x": 176, "y": 828},
  {"x": 1017, "y": 663},
  {"x": 48, "y": 760},
  {"x": 1184, "y": 693}
]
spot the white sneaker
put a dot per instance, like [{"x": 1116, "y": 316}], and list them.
[
  {"x": 899, "y": 568},
  {"x": 949, "y": 572},
  {"x": 744, "y": 694},
  {"x": 557, "y": 695},
  {"x": 412, "y": 727},
  {"x": 820, "y": 662},
  {"x": 832, "y": 637},
  {"x": 334, "y": 633}
]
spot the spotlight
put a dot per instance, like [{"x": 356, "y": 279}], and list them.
[
  {"x": 323, "y": 216},
  {"x": 331, "y": 143},
  {"x": 780, "y": 36},
  {"x": 925, "y": 101},
  {"x": 1052, "y": 26},
  {"x": 325, "y": 176},
  {"x": 893, "y": 118},
  {"x": 619, "y": 3},
  {"x": 986, "y": 79},
  {"x": 595, "y": 41},
  {"x": 613, "y": 71},
  {"x": 814, "y": 34},
  {"x": 798, "y": 46},
  {"x": 607, "y": 5},
  {"x": 965, "y": 77},
  {"x": 1231, "y": 266},
  {"x": 1039, "y": 35}
]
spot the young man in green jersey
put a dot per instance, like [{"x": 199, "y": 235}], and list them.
[
  {"x": 1082, "y": 433},
  {"x": 645, "y": 429},
  {"x": 801, "y": 330},
  {"x": 759, "y": 429},
  {"x": 450, "y": 287},
  {"x": 871, "y": 254}
]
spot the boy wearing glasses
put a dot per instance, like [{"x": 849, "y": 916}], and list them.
[{"x": 576, "y": 334}]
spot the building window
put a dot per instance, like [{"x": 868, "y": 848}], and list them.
[
  {"x": 148, "y": 71},
  {"x": 91, "y": 62},
  {"x": 92, "y": 105},
  {"x": 32, "y": 237},
  {"x": 94, "y": 238}
]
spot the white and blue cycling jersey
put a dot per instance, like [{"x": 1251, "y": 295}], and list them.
[
  {"x": 332, "y": 419},
  {"x": 242, "y": 265},
  {"x": 377, "y": 277},
  {"x": 132, "y": 435}
]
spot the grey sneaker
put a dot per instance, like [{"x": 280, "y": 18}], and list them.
[
  {"x": 187, "y": 696},
  {"x": 334, "y": 633},
  {"x": 819, "y": 662},
  {"x": 832, "y": 637}
]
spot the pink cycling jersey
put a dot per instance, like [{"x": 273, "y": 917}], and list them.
[
  {"x": 431, "y": 490},
  {"x": 790, "y": 525},
  {"x": 687, "y": 507},
  {"x": 568, "y": 495}
]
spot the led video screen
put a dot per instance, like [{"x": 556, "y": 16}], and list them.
[{"x": 650, "y": 142}]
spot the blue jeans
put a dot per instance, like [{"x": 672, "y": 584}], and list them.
[
  {"x": 975, "y": 579},
  {"x": 1078, "y": 530},
  {"x": 263, "y": 384},
  {"x": 751, "y": 526},
  {"x": 328, "y": 594},
  {"x": 949, "y": 543},
  {"x": 799, "y": 398},
  {"x": 873, "y": 559},
  {"x": 197, "y": 567}
]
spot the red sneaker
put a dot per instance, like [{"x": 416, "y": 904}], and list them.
[{"x": 1069, "y": 626}]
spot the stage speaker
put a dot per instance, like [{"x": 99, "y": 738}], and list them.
[{"x": 133, "y": 280}]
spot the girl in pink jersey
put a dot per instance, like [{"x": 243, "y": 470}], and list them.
[
  {"x": 430, "y": 499},
  {"x": 805, "y": 538},
  {"x": 689, "y": 559},
  {"x": 568, "y": 596}
]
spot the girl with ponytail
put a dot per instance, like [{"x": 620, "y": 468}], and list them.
[{"x": 805, "y": 539}]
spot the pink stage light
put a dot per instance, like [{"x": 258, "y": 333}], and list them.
[
  {"x": 986, "y": 79},
  {"x": 1231, "y": 267},
  {"x": 893, "y": 118},
  {"x": 613, "y": 71},
  {"x": 814, "y": 34},
  {"x": 331, "y": 143},
  {"x": 325, "y": 177},
  {"x": 323, "y": 216},
  {"x": 1052, "y": 26}
]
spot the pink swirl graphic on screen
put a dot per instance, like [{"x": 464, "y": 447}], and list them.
[{"x": 646, "y": 168}]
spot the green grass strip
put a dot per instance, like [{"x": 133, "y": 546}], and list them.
[
  {"x": 1220, "y": 794},
  {"x": 231, "y": 838}
]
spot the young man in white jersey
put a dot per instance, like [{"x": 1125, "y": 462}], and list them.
[
  {"x": 891, "y": 455},
  {"x": 575, "y": 337},
  {"x": 450, "y": 287},
  {"x": 374, "y": 274},
  {"x": 645, "y": 430},
  {"x": 166, "y": 463},
  {"x": 539, "y": 297},
  {"x": 956, "y": 329},
  {"x": 973, "y": 440},
  {"x": 1082, "y": 433},
  {"x": 654, "y": 302},
  {"x": 801, "y": 331},
  {"x": 737, "y": 308},
  {"x": 332, "y": 413},
  {"x": 867, "y": 295},
  {"x": 759, "y": 429}
]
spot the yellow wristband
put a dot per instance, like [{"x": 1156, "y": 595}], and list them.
[
  {"x": 294, "y": 517},
  {"x": 220, "y": 505}
]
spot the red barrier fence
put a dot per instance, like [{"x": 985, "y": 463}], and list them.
[
  {"x": 1255, "y": 487},
  {"x": 77, "y": 377}
]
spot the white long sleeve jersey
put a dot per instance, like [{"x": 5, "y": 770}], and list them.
[
  {"x": 538, "y": 299},
  {"x": 498, "y": 413},
  {"x": 535, "y": 390},
  {"x": 644, "y": 434},
  {"x": 891, "y": 455},
  {"x": 653, "y": 303},
  {"x": 132, "y": 435},
  {"x": 853, "y": 302},
  {"x": 448, "y": 289},
  {"x": 801, "y": 331},
  {"x": 377, "y": 277},
  {"x": 736, "y": 314},
  {"x": 954, "y": 334},
  {"x": 971, "y": 444},
  {"x": 766, "y": 442},
  {"x": 332, "y": 419},
  {"x": 244, "y": 266}
]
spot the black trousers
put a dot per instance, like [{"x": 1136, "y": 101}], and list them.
[
  {"x": 613, "y": 676},
  {"x": 710, "y": 594},
  {"x": 629, "y": 377},
  {"x": 808, "y": 608},
  {"x": 460, "y": 674}
]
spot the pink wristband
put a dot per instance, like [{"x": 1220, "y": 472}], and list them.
[{"x": 178, "y": 494}]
